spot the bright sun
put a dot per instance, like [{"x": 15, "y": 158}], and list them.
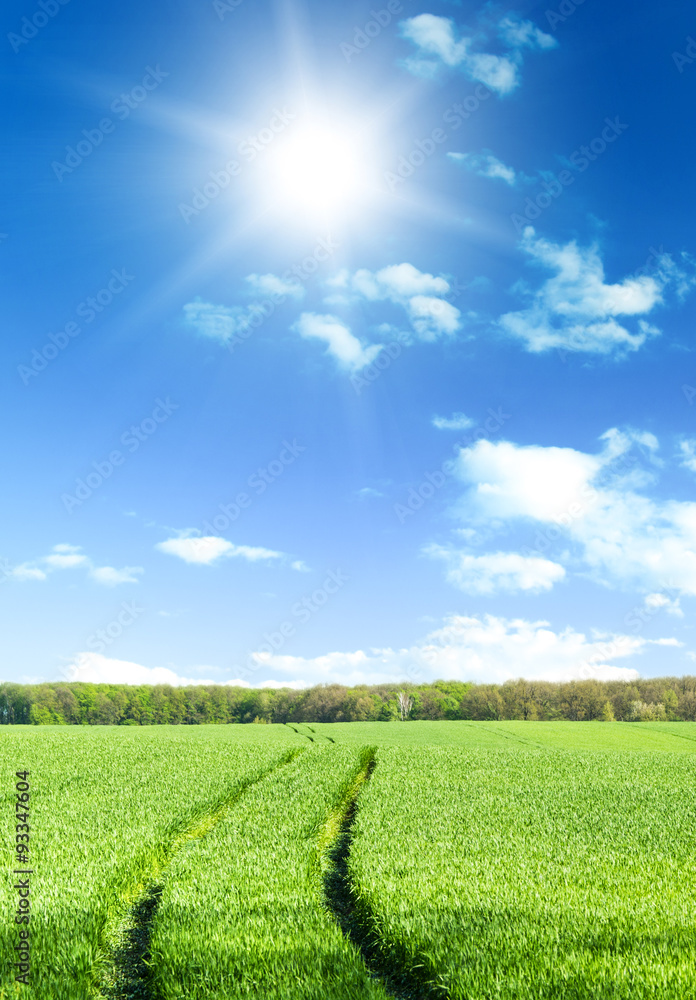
[{"x": 318, "y": 170}]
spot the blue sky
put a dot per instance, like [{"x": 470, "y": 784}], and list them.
[{"x": 347, "y": 343}]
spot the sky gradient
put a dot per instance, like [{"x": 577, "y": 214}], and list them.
[{"x": 348, "y": 343}]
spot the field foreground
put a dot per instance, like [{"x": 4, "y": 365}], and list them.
[{"x": 359, "y": 860}]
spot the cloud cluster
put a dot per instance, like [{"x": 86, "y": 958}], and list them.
[
  {"x": 485, "y": 649},
  {"x": 438, "y": 46},
  {"x": 577, "y": 310},
  {"x": 422, "y": 296},
  {"x": 66, "y": 557},
  {"x": 592, "y": 511}
]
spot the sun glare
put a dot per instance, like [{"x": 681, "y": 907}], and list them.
[{"x": 318, "y": 170}]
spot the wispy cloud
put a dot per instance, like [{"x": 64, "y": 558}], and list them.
[
  {"x": 457, "y": 422},
  {"x": 111, "y": 577},
  {"x": 342, "y": 345},
  {"x": 485, "y": 165},
  {"x": 497, "y": 572},
  {"x": 215, "y": 321},
  {"x": 271, "y": 284}
]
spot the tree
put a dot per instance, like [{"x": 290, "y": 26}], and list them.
[
  {"x": 608, "y": 712},
  {"x": 405, "y": 703}
]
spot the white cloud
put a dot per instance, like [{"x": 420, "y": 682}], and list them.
[
  {"x": 592, "y": 508},
  {"x": 64, "y": 557},
  {"x": 497, "y": 72},
  {"x": 660, "y": 602},
  {"x": 688, "y": 454},
  {"x": 27, "y": 572},
  {"x": 435, "y": 36},
  {"x": 219, "y": 322},
  {"x": 486, "y": 649},
  {"x": 525, "y": 481},
  {"x": 437, "y": 45},
  {"x": 300, "y": 566},
  {"x": 398, "y": 282},
  {"x": 342, "y": 345},
  {"x": 94, "y": 668},
  {"x": 485, "y": 165},
  {"x": 457, "y": 422},
  {"x": 523, "y": 34},
  {"x": 368, "y": 493},
  {"x": 419, "y": 293},
  {"x": 207, "y": 549},
  {"x": 110, "y": 577},
  {"x": 576, "y": 308},
  {"x": 497, "y": 572},
  {"x": 270, "y": 284},
  {"x": 431, "y": 317},
  {"x": 61, "y": 559}
]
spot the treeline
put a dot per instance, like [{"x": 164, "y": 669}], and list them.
[{"x": 664, "y": 698}]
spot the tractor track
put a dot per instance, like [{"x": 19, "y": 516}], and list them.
[
  {"x": 128, "y": 974},
  {"x": 384, "y": 963}
]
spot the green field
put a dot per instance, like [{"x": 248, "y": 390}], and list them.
[{"x": 338, "y": 861}]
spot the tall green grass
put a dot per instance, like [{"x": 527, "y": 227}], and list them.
[
  {"x": 106, "y": 807},
  {"x": 532, "y": 875},
  {"x": 676, "y": 737},
  {"x": 242, "y": 912}
]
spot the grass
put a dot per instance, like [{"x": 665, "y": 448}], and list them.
[
  {"x": 675, "y": 737},
  {"x": 484, "y": 861},
  {"x": 242, "y": 912},
  {"x": 107, "y": 806},
  {"x": 532, "y": 874}
]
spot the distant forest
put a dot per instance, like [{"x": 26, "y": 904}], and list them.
[{"x": 658, "y": 699}]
